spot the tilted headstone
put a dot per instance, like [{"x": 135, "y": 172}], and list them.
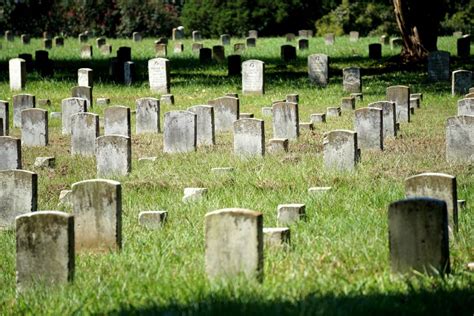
[
  {"x": 285, "y": 120},
  {"x": 4, "y": 117},
  {"x": 148, "y": 116},
  {"x": 17, "y": 74},
  {"x": 86, "y": 51},
  {"x": 438, "y": 66},
  {"x": 352, "y": 80},
  {"x": 205, "y": 55},
  {"x": 83, "y": 92},
  {"x": 205, "y": 127},
  {"x": 196, "y": 36},
  {"x": 161, "y": 50},
  {"x": 465, "y": 106},
  {"x": 418, "y": 236},
  {"x": 83, "y": 38},
  {"x": 251, "y": 42},
  {"x": 226, "y": 111},
  {"x": 117, "y": 121},
  {"x": 158, "y": 75},
  {"x": 234, "y": 244},
  {"x": 249, "y": 138},
  {"x": 44, "y": 249},
  {"x": 97, "y": 210},
  {"x": 69, "y": 107},
  {"x": 225, "y": 39},
  {"x": 464, "y": 46},
  {"x": 287, "y": 53},
  {"x": 113, "y": 155},
  {"x": 180, "y": 129},
  {"x": 85, "y": 77},
  {"x": 368, "y": 123},
  {"x": 375, "y": 51},
  {"x": 19, "y": 195},
  {"x": 329, "y": 39},
  {"x": 84, "y": 131},
  {"x": 461, "y": 82},
  {"x": 353, "y": 36},
  {"x": 401, "y": 96},
  {"x": 234, "y": 67},
  {"x": 389, "y": 117},
  {"x": 10, "y": 153},
  {"x": 22, "y": 102},
  {"x": 460, "y": 139},
  {"x": 218, "y": 53},
  {"x": 253, "y": 77},
  {"x": 303, "y": 44},
  {"x": 340, "y": 150},
  {"x": 318, "y": 69},
  {"x": 34, "y": 127}
]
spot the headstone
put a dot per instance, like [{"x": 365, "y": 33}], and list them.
[
  {"x": 83, "y": 38},
  {"x": 234, "y": 63},
  {"x": 461, "y": 82},
  {"x": 106, "y": 49},
  {"x": 10, "y": 153},
  {"x": 277, "y": 146},
  {"x": 290, "y": 37},
  {"x": 100, "y": 41},
  {"x": 205, "y": 128},
  {"x": 178, "y": 48},
  {"x": 266, "y": 111},
  {"x": 9, "y": 37},
  {"x": 69, "y": 107},
  {"x": 276, "y": 237},
  {"x": 288, "y": 214},
  {"x": 318, "y": 69},
  {"x": 340, "y": 150},
  {"x": 418, "y": 236},
  {"x": 86, "y": 51},
  {"x": 34, "y": 127},
  {"x": 167, "y": 99},
  {"x": 253, "y": 34},
  {"x": 47, "y": 43},
  {"x": 195, "y": 47},
  {"x": 368, "y": 124},
  {"x": 464, "y": 46},
  {"x": 305, "y": 33},
  {"x": 333, "y": 111},
  {"x": 28, "y": 58},
  {"x": 384, "y": 39},
  {"x": 102, "y": 101},
  {"x": 180, "y": 129},
  {"x": 439, "y": 186},
  {"x": 4, "y": 117},
  {"x": 44, "y": 249},
  {"x": 285, "y": 120},
  {"x": 44, "y": 162},
  {"x": 249, "y": 138},
  {"x": 124, "y": 54},
  {"x": 348, "y": 104},
  {"x": 161, "y": 50},
  {"x": 352, "y": 80},
  {"x": 117, "y": 121},
  {"x": 47, "y": 35},
  {"x": 239, "y": 48},
  {"x": 162, "y": 40},
  {"x": 401, "y": 96},
  {"x": 128, "y": 72},
  {"x": 460, "y": 139},
  {"x": 218, "y": 53},
  {"x": 194, "y": 194},
  {"x": 84, "y": 93},
  {"x": 438, "y": 66},
  {"x": 251, "y": 42},
  {"x": 158, "y": 74},
  {"x": 389, "y": 117},
  {"x": 375, "y": 51},
  {"x": 25, "y": 39},
  {"x": 20, "y": 103},
  {"x": 414, "y": 104},
  {"x": 246, "y": 115},
  {"x": 85, "y": 77},
  {"x": 226, "y": 111},
  {"x": 318, "y": 118},
  {"x": 17, "y": 74},
  {"x": 196, "y": 36},
  {"x": 465, "y": 107},
  {"x": 293, "y": 98},
  {"x": 329, "y": 39},
  {"x": 137, "y": 37},
  {"x": 205, "y": 55},
  {"x": 396, "y": 42},
  {"x": 303, "y": 44},
  {"x": 19, "y": 195},
  {"x": 152, "y": 219},
  {"x": 225, "y": 39},
  {"x": 253, "y": 81},
  {"x": 84, "y": 131},
  {"x": 59, "y": 41},
  {"x": 113, "y": 155},
  {"x": 97, "y": 210},
  {"x": 353, "y": 36},
  {"x": 457, "y": 34},
  {"x": 177, "y": 33},
  {"x": 287, "y": 53},
  {"x": 234, "y": 244},
  {"x": 148, "y": 116},
  {"x": 43, "y": 64}
]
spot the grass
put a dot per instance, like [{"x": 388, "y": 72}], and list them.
[{"x": 338, "y": 262}]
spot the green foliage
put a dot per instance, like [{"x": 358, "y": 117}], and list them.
[{"x": 461, "y": 20}]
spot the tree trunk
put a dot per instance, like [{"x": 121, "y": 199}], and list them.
[{"x": 418, "y": 21}]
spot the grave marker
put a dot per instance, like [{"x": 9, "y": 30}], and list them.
[
  {"x": 340, "y": 150},
  {"x": 180, "y": 132},
  {"x": 318, "y": 69},
  {"x": 226, "y": 111},
  {"x": 389, "y": 117},
  {"x": 117, "y": 121},
  {"x": 113, "y": 155},
  {"x": 148, "y": 116},
  {"x": 69, "y": 107},
  {"x": 205, "y": 128},
  {"x": 368, "y": 124},
  {"x": 460, "y": 139},
  {"x": 461, "y": 82},
  {"x": 253, "y": 80},
  {"x": 158, "y": 74},
  {"x": 84, "y": 131},
  {"x": 465, "y": 106},
  {"x": 83, "y": 92},
  {"x": 249, "y": 138},
  {"x": 352, "y": 80},
  {"x": 4, "y": 117},
  {"x": 20, "y": 103},
  {"x": 285, "y": 120},
  {"x": 438, "y": 66},
  {"x": 34, "y": 127},
  {"x": 10, "y": 153},
  {"x": 17, "y": 74},
  {"x": 401, "y": 96},
  {"x": 85, "y": 77}
]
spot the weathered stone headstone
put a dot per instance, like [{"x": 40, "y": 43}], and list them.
[
  {"x": 162, "y": 40},
  {"x": 218, "y": 53},
  {"x": 225, "y": 39},
  {"x": 375, "y": 51},
  {"x": 348, "y": 104},
  {"x": 83, "y": 92},
  {"x": 195, "y": 47},
  {"x": 17, "y": 74},
  {"x": 253, "y": 77},
  {"x": 180, "y": 129},
  {"x": 167, "y": 99},
  {"x": 136, "y": 37},
  {"x": 305, "y": 33},
  {"x": 384, "y": 39},
  {"x": 318, "y": 118},
  {"x": 253, "y": 33},
  {"x": 333, "y": 111},
  {"x": 34, "y": 127},
  {"x": 84, "y": 131},
  {"x": 418, "y": 236},
  {"x": 205, "y": 128},
  {"x": 234, "y": 244},
  {"x": 303, "y": 44},
  {"x": 102, "y": 101},
  {"x": 251, "y": 42},
  {"x": 10, "y": 153},
  {"x": 4, "y": 116},
  {"x": 278, "y": 145},
  {"x": 239, "y": 48},
  {"x": 177, "y": 33},
  {"x": 85, "y": 77},
  {"x": 249, "y": 138},
  {"x": 353, "y": 36},
  {"x": 234, "y": 67},
  {"x": 86, "y": 51},
  {"x": 368, "y": 123},
  {"x": 294, "y": 98},
  {"x": 329, "y": 39},
  {"x": 439, "y": 186},
  {"x": 287, "y": 53},
  {"x": 438, "y": 66},
  {"x": 290, "y": 37},
  {"x": 196, "y": 36},
  {"x": 464, "y": 46},
  {"x": 178, "y": 48},
  {"x": 97, "y": 210},
  {"x": 100, "y": 41},
  {"x": 69, "y": 107},
  {"x": 113, "y": 155},
  {"x": 148, "y": 116},
  {"x": 352, "y": 80},
  {"x": 285, "y": 120},
  {"x": 461, "y": 82},
  {"x": 205, "y": 55},
  {"x": 83, "y": 38},
  {"x": 9, "y": 37},
  {"x": 194, "y": 194},
  {"x": 44, "y": 249},
  {"x": 19, "y": 195},
  {"x": 465, "y": 106},
  {"x": 161, "y": 50},
  {"x": 152, "y": 219},
  {"x": 401, "y": 96},
  {"x": 288, "y": 214},
  {"x": 389, "y": 117},
  {"x": 158, "y": 74},
  {"x": 460, "y": 139},
  {"x": 340, "y": 150},
  {"x": 47, "y": 43},
  {"x": 59, "y": 41},
  {"x": 226, "y": 111},
  {"x": 276, "y": 237},
  {"x": 318, "y": 69},
  {"x": 25, "y": 39},
  {"x": 20, "y": 103},
  {"x": 117, "y": 121}
]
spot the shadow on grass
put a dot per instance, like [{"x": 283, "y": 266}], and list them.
[{"x": 456, "y": 302}]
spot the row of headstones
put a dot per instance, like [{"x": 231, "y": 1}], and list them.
[{"x": 419, "y": 229}]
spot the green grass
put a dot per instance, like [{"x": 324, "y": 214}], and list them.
[{"x": 338, "y": 262}]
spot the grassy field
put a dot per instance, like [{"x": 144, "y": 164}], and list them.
[{"x": 339, "y": 260}]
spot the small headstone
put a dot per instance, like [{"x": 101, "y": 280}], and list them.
[
  {"x": 340, "y": 150},
  {"x": 318, "y": 69},
  {"x": 180, "y": 132},
  {"x": 277, "y": 146},
  {"x": 83, "y": 92},
  {"x": 100, "y": 41},
  {"x": 288, "y": 214},
  {"x": 305, "y": 126},
  {"x": 368, "y": 123},
  {"x": 438, "y": 66},
  {"x": 396, "y": 42},
  {"x": 464, "y": 46},
  {"x": 285, "y": 120},
  {"x": 85, "y": 77},
  {"x": 461, "y": 82},
  {"x": 47, "y": 43},
  {"x": 161, "y": 50},
  {"x": 457, "y": 34},
  {"x": 65, "y": 199},
  {"x": 25, "y": 39},
  {"x": 44, "y": 249},
  {"x": 47, "y": 35},
  {"x": 253, "y": 81},
  {"x": 253, "y": 33},
  {"x": 375, "y": 51},
  {"x": 167, "y": 99},
  {"x": 414, "y": 104},
  {"x": 84, "y": 131},
  {"x": 205, "y": 124},
  {"x": 28, "y": 58},
  {"x": 266, "y": 111},
  {"x": 58, "y": 41},
  {"x": 178, "y": 48},
  {"x": 162, "y": 40},
  {"x": 69, "y": 107},
  {"x": 158, "y": 74},
  {"x": 329, "y": 39},
  {"x": 318, "y": 191},
  {"x": 389, "y": 117},
  {"x": 305, "y": 33},
  {"x": 234, "y": 244},
  {"x": 117, "y": 121},
  {"x": 195, "y": 47},
  {"x": 218, "y": 53},
  {"x": 10, "y": 153},
  {"x": 352, "y": 80},
  {"x": 196, "y": 36},
  {"x": 418, "y": 236},
  {"x": 102, "y": 101},
  {"x": 205, "y": 55},
  {"x": 465, "y": 106},
  {"x": 249, "y": 138},
  {"x": 17, "y": 74},
  {"x": 401, "y": 96},
  {"x": 246, "y": 115},
  {"x": 225, "y": 39},
  {"x": 357, "y": 96},
  {"x": 234, "y": 65},
  {"x": 460, "y": 139},
  {"x": 194, "y": 194},
  {"x": 148, "y": 116},
  {"x": 287, "y": 53},
  {"x": 239, "y": 48},
  {"x": 317, "y": 118},
  {"x": 9, "y": 37},
  {"x": 152, "y": 219},
  {"x": 43, "y": 64},
  {"x": 333, "y": 112},
  {"x": 251, "y": 42},
  {"x": 353, "y": 36},
  {"x": 290, "y": 37},
  {"x": 83, "y": 38},
  {"x": 226, "y": 111},
  {"x": 124, "y": 54},
  {"x": 44, "y": 162},
  {"x": 177, "y": 33},
  {"x": 348, "y": 104},
  {"x": 20, "y": 103},
  {"x": 34, "y": 127},
  {"x": 276, "y": 237},
  {"x": 303, "y": 44},
  {"x": 384, "y": 39},
  {"x": 113, "y": 155},
  {"x": 97, "y": 210},
  {"x": 86, "y": 51},
  {"x": 136, "y": 37}
]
